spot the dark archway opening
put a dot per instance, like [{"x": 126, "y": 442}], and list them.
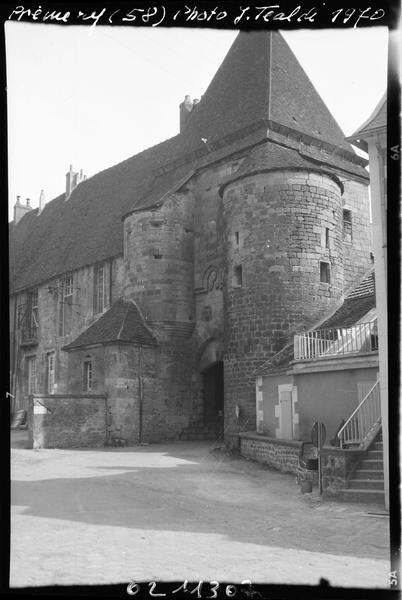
[{"x": 213, "y": 395}]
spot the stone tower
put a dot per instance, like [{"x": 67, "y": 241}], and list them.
[{"x": 283, "y": 228}]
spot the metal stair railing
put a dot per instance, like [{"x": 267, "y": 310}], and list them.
[{"x": 364, "y": 421}]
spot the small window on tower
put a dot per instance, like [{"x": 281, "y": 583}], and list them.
[
  {"x": 87, "y": 383},
  {"x": 237, "y": 276},
  {"x": 325, "y": 273},
  {"x": 326, "y": 237},
  {"x": 237, "y": 238},
  {"x": 347, "y": 225}
]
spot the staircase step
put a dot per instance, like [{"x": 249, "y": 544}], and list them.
[
  {"x": 366, "y": 484},
  {"x": 369, "y": 474},
  {"x": 375, "y": 454},
  {"x": 356, "y": 495},
  {"x": 369, "y": 463},
  {"x": 377, "y": 446}
]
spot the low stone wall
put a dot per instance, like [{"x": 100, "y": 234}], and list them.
[
  {"x": 279, "y": 454},
  {"x": 337, "y": 467},
  {"x": 67, "y": 421}
]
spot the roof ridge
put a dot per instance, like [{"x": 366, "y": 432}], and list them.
[
  {"x": 123, "y": 319},
  {"x": 144, "y": 322}
]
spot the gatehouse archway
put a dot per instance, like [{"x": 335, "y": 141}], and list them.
[{"x": 210, "y": 365}]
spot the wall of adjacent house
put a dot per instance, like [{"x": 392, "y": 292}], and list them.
[
  {"x": 326, "y": 396},
  {"x": 270, "y": 396},
  {"x": 48, "y": 334},
  {"x": 329, "y": 397}
]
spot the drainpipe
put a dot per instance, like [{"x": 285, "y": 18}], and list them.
[
  {"x": 14, "y": 357},
  {"x": 107, "y": 424},
  {"x": 378, "y": 204},
  {"x": 110, "y": 282},
  {"x": 140, "y": 393}
]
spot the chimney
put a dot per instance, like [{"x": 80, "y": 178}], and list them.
[
  {"x": 72, "y": 180},
  {"x": 185, "y": 109},
  {"x": 20, "y": 209},
  {"x": 42, "y": 201}
]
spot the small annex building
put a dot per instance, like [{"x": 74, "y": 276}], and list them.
[
  {"x": 324, "y": 374},
  {"x": 161, "y": 284}
]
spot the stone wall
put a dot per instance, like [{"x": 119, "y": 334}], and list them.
[
  {"x": 168, "y": 402},
  {"x": 67, "y": 421},
  {"x": 337, "y": 467},
  {"x": 279, "y": 454},
  {"x": 357, "y": 248}
]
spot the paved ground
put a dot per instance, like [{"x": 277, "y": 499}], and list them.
[{"x": 181, "y": 511}]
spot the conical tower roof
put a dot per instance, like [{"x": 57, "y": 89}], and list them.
[{"x": 260, "y": 78}]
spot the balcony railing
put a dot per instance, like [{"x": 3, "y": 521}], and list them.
[
  {"x": 338, "y": 341},
  {"x": 364, "y": 422}
]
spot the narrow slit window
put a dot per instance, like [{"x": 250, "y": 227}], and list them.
[
  {"x": 87, "y": 383},
  {"x": 325, "y": 273},
  {"x": 347, "y": 225},
  {"x": 237, "y": 238},
  {"x": 238, "y": 276},
  {"x": 326, "y": 237}
]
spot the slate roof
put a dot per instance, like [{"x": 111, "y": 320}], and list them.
[
  {"x": 259, "y": 79},
  {"x": 123, "y": 322},
  {"x": 357, "y": 303}
]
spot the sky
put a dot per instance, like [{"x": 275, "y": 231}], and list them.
[{"x": 94, "y": 97}]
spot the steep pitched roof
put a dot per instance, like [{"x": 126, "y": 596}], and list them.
[
  {"x": 377, "y": 120},
  {"x": 123, "y": 322},
  {"x": 260, "y": 79},
  {"x": 357, "y": 303}
]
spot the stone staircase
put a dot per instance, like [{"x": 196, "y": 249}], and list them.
[{"x": 367, "y": 482}]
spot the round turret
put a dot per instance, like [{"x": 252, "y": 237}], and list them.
[
  {"x": 158, "y": 252},
  {"x": 284, "y": 263}
]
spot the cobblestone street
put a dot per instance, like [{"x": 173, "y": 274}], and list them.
[{"x": 178, "y": 511}]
